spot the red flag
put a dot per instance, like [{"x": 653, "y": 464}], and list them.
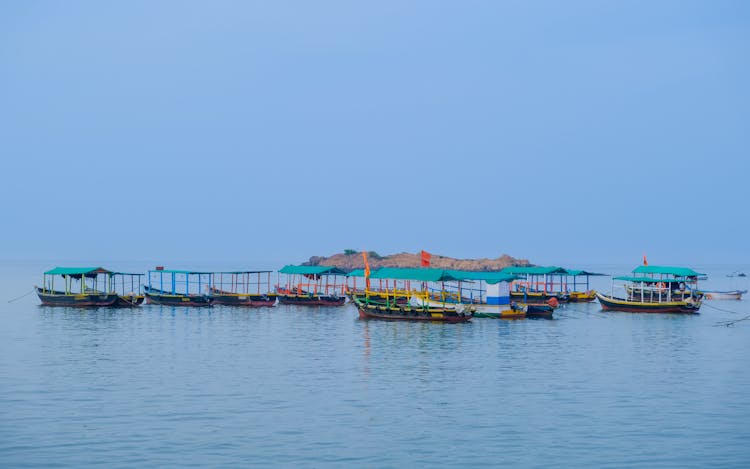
[
  {"x": 367, "y": 270},
  {"x": 645, "y": 262},
  {"x": 426, "y": 256}
]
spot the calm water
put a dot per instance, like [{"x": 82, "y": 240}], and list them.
[{"x": 318, "y": 387}]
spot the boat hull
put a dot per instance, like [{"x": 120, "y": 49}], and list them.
[
  {"x": 532, "y": 310},
  {"x": 497, "y": 313},
  {"x": 311, "y": 300},
  {"x": 167, "y": 299},
  {"x": 129, "y": 301},
  {"x": 410, "y": 313},
  {"x": 723, "y": 295},
  {"x": 582, "y": 297},
  {"x": 538, "y": 298},
  {"x": 609, "y": 303},
  {"x": 252, "y": 301},
  {"x": 82, "y": 300}
]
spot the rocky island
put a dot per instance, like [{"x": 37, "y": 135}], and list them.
[{"x": 351, "y": 259}]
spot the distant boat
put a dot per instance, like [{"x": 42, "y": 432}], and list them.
[
  {"x": 723, "y": 295},
  {"x": 656, "y": 289}
]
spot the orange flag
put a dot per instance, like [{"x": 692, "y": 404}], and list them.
[
  {"x": 426, "y": 256},
  {"x": 645, "y": 262},
  {"x": 367, "y": 270}
]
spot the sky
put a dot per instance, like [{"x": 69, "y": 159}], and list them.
[{"x": 253, "y": 132}]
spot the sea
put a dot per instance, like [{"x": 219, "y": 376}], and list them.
[{"x": 290, "y": 386}]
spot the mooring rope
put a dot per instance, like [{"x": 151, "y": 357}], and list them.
[
  {"x": 719, "y": 309},
  {"x": 731, "y": 323},
  {"x": 22, "y": 296},
  {"x": 727, "y": 323}
]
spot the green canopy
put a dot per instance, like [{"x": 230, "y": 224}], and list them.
[
  {"x": 238, "y": 272},
  {"x": 311, "y": 270},
  {"x": 422, "y": 274},
  {"x": 77, "y": 271},
  {"x": 576, "y": 273},
  {"x": 186, "y": 272},
  {"x": 533, "y": 270},
  {"x": 643, "y": 279},
  {"x": 488, "y": 277},
  {"x": 356, "y": 273},
  {"x": 666, "y": 270}
]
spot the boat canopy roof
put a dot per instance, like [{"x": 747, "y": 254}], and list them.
[
  {"x": 127, "y": 273},
  {"x": 488, "y": 277},
  {"x": 356, "y": 273},
  {"x": 413, "y": 273},
  {"x": 78, "y": 271},
  {"x": 576, "y": 273},
  {"x": 628, "y": 278},
  {"x": 238, "y": 272},
  {"x": 660, "y": 269},
  {"x": 312, "y": 270},
  {"x": 186, "y": 272},
  {"x": 533, "y": 270}
]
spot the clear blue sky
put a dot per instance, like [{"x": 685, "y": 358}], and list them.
[{"x": 238, "y": 130}]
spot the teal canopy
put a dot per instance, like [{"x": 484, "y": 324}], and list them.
[
  {"x": 311, "y": 270},
  {"x": 666, "y": 270},
  {"x": 422, "y": 274},
  {"x": 643, "y": 279},
  {"x": 576, "y": 273},
  {"x": 533, "y": 270},
  {"x": 77, "y": 271},
  {"x": 488, "y": 277},
  {"x": 356, "y": 273},
  {"x": 186, "y": 272}
]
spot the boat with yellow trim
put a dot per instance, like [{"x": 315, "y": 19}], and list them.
[
  {"x": 575, "y": 293},
  {"x": 383, "y": 306},
  {"x": 650, "y": 290},
  {"x": 82, "y": 287},
  {"x": 178, "y": 287},
  {"x": 537, "y": 284}
]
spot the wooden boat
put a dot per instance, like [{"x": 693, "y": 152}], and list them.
[
  {"x": 308, "y": 285},
  {"x": 723, "y": 295},
  {"x": 382, "y": 292},
  {"x": 582, "y": 296},
  {"x": 81, "y": 287},
  {"x": 534, "y": 310},
  {"x": 243, "y": 288},
  {"x": 577, "y": 295},
  {"x": 228, "y": 298},
  {"x": 371, "y": 309},
  {"x": 183, "y": 288},
  {"x": 611, "y": 303},
  {"x": 419, "y": 307},
  {"x": 538, "y": 284},
  {"x": 129, "y": 289},
  {"x": 732, "y": 294},
  {"x": 651, "y": 290}
]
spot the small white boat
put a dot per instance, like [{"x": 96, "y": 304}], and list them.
[{"x": 723, "y": 295}]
